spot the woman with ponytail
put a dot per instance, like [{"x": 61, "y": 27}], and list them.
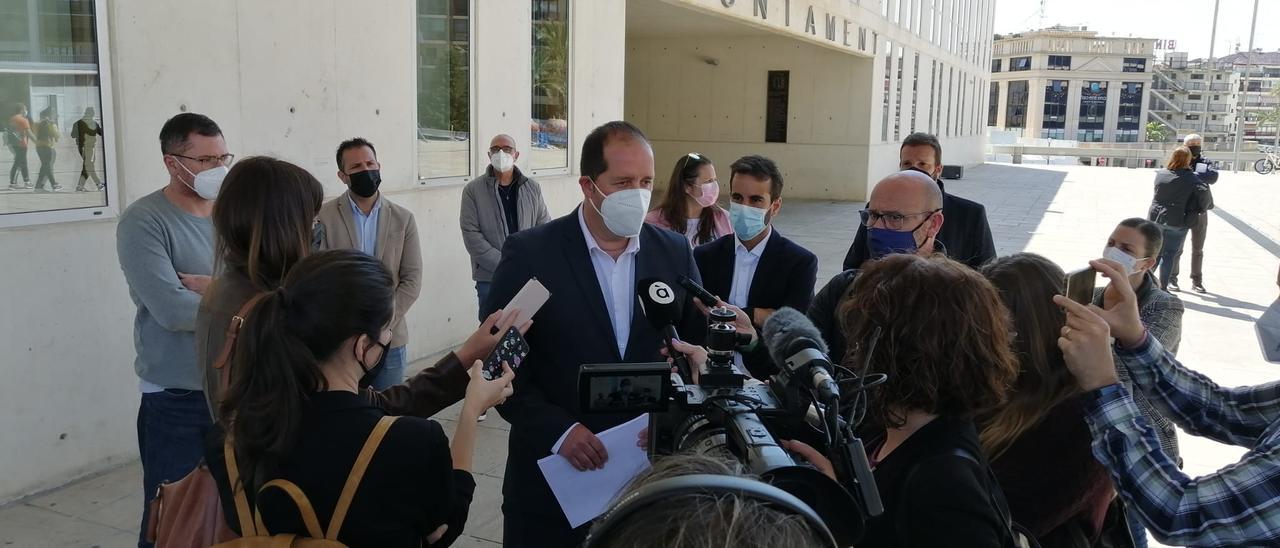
[
  {"x": 265, "y": 223},
  {"x": 294, "y": 412},
  {"x": 1038, "y": 442}
]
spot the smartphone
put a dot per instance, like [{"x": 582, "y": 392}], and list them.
[
  {"x": 1080, "y": 285},
  {"x": 530, "y": 298},
  {"x": 511, "y": 348}
]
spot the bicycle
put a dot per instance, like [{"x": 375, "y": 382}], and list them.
[{"x": 1270, "y": 162}]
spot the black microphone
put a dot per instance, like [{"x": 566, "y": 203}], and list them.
[
  {"x": 658, "y": 303},
  {"x": 797, "y": 348},
  {"x": 698, "y": 291}
]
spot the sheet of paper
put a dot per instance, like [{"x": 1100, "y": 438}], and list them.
[{"x": 585, "y": 495}]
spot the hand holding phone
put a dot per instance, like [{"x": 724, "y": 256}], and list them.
[{"x": 511, "y": 349}]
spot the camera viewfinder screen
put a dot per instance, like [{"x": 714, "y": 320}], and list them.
[{"x": 625, "y": 392}]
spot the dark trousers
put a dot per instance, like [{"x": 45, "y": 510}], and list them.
[
  {"x": 1198, "y": 228},
  {"x": 19, "y": 164},
  {"x": 172, "y": 425},
  {"x": 524, "y": 529},
  {"x": 47, "y": 156},
  {"x": 87, "y": 169},
  {"x": 1173, "y": 238}
]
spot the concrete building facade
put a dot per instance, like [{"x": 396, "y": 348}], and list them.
[
  {"x": 1196, "y": 96},
  {"x": 1069, "y": 83},
  {"x": 826, "y": 87},
  {"x": 1259, "y": 75}
]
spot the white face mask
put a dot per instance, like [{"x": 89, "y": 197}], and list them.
[
  {"x": 624, "y": 210},
  {"x": 502, "y": 162},
  {"x": 1118, "y": 255},
  {"x": 207, "y": 182}
]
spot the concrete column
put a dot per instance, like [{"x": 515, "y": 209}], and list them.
[{"x": 1073, "y": 107}]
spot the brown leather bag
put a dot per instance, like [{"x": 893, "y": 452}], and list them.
[
  {"x": 188, "y": 513},
  {"x": 255, "y": 532}
]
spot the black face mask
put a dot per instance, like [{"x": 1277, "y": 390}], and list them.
[
  {"x": 1195, "y": 150},
  {"x": 365, "y": 183}
]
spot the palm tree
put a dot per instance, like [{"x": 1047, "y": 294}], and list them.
[{"x": 551, "y": 67}]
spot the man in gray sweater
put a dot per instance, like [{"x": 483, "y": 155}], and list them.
[
  {"x": 165, "y": 244},
  {"x": 495, "y": 205}
]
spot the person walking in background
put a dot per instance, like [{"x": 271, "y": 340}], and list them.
[
  {"x": 47, "y": 136},
  {"x": 689, "y": 205},
  {"x": 1204, "y": 171},
  {"x": 1179, "y": 197},
  {"x": 496, "y": 205},
  {"x": 17, "y": 137},
  {"x": 86, "y": 131},
  {"x": 364, "y": 220}
]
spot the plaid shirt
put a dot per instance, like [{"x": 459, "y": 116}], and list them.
[{"x": 1237, "y": 505}]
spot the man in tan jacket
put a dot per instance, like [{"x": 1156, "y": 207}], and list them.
[{"x": 362, "y": 219}]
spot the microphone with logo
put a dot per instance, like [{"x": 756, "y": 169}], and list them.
[{"x": 658, "y": 303}]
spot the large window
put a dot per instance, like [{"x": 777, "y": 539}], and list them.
[
  {"x": 993, "y": 103},
  {"x": 1135, "y": 64},
  {"x": 995, "y": 65},
  {"x": 1015, "y": 111},
  {"x": 58, "y": 152},
  {"x": 444, "y": 88},
  {"x": 1059, "y": 62},
  {"x": 888, "y": 90},
  {"x": 1055, "y": 110},
  {"x": 1130, "y": 114},
  {"x": 897, "y": 103},
  {"x": 550, "y": 124},
  {"x": 915, "y": 92},
  {"x": 1019, "y": 63},
  {"x": 1093, "y": 105}
]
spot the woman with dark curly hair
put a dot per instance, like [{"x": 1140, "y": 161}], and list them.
[{"x": 945, "y": 345}]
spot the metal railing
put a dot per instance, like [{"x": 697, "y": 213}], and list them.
[{"x": 1193, "y": 106}]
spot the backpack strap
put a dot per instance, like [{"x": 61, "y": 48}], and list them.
[
  {"x": 300, "y": 500},
  {"x": 229, "y": 342},
  {"x": 357, "y": 473},
  {"x": 247, "y": 527}
]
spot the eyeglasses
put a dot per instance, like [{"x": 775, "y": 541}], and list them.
[
  {"x": 210, "y": 161},
  {"x": 496, "y": 149},
  {"x": 892, "y": 220}
]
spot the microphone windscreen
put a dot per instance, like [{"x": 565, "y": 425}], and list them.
[{"x": 785, "y": 328}]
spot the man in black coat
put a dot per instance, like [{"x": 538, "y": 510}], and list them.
[
  {"x": 756, "y": 268},
  {"x": 966, "y": 236},
  {"x": 590, "y": 261}
]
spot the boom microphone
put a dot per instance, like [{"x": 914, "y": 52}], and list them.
[
  {"x": 797, "y": 348},
  {"x": 658, "y": 303}
]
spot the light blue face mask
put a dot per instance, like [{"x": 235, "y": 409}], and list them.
[{"x": 748, "y": 222}]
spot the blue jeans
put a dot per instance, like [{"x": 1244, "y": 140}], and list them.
[
  {"x": 482, "y": 295},
  {"x": 392, "y": 372},
  {"x": 172, "y": 426},
  {"x": 1173, "y": 238}
]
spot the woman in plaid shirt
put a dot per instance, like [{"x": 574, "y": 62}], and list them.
[{"x": 1237, "y": 505}]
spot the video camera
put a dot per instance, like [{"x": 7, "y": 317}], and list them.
[{"x": 731, "y": 416}]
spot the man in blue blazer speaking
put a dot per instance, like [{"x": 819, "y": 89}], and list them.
[{"x": 590, "y": 261}]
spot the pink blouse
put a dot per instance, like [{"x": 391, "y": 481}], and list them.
[{"x": 721, "y": 217}]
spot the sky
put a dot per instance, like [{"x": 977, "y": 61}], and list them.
[{"x": 1187, "y": 21}]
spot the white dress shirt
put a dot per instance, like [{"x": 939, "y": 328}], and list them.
[
  {"x": 618, "y": 287},
  {"x": 745, "y": 262}
]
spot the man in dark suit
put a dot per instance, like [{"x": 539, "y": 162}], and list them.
[
  {"x": 756, "y": 268},
  {"x": 966, "y": 237},
  {"x": 590, "y": 261}
]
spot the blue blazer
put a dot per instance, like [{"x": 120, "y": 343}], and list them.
[
  {"x": 785, "y": 276},
  {"x": 570, "y": 330},
  {"x": 965, "y": 234}
]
